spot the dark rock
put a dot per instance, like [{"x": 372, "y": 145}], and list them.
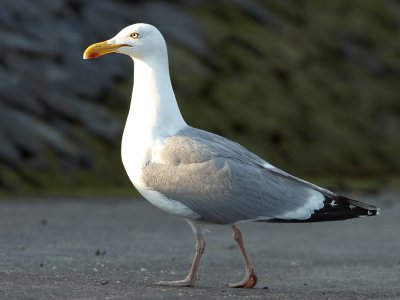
[
  {"x": 46, "y": 87},
  {"x": 256, "y": 10},
  {"x": 9, "y": 153},
  {"x": 319, "y": 75},
  {"x": 100, "y": 252}
]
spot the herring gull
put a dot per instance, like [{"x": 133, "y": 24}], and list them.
[{"x": 201, "y": 176}]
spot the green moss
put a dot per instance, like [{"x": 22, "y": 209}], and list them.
[{"x": 315, "y": 92}]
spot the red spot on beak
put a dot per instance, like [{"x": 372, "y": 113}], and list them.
[{"x": 94, "y": 55}]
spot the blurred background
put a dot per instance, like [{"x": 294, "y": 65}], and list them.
[{"x": 310, "y": 86}]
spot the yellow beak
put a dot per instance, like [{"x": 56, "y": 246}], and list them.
[{"x": 99, "y": 49}]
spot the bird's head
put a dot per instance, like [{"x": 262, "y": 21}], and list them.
[{"x": 137, "y": 41}]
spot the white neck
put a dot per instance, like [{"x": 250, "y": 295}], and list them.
[
  {"x": 153, "y": 115},
  {"x": 154, "y": 110}
]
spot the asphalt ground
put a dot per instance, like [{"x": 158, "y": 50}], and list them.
[{"x": 118, "y": 248}]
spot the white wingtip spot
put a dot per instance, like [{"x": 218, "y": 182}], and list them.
[
  {"x": 352, "y": 206},
  {"x": 369, "y": 213}
]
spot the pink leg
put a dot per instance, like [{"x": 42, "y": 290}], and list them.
[
  {"x": 200, "y": 246},
  {"x": 250, "y": 280}
]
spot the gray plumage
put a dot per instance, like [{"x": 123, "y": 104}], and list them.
[{"x": 224, "y": 182}]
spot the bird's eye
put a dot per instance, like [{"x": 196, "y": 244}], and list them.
[{"x": 134, "y": 35}]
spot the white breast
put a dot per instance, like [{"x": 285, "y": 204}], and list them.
[
  {"x": 153, "y": 116},
  {"x": 135, "y": 159}
]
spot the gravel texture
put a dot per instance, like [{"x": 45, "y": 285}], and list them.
[{"x": 118, "y": 248}]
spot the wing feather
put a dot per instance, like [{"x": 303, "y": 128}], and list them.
[{"x": 225, "y": 183}]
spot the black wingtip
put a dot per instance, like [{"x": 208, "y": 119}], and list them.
[{"x": 337, "y": 208}]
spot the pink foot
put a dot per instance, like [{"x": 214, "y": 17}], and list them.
[
  {"x": 248, "y": 282},
  {"x": 184, "y": 282}
]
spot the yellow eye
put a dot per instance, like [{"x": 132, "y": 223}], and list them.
[{"x": 134, "y": 35}]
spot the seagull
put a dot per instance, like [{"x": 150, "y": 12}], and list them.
[{"x": 200, "y": 176}]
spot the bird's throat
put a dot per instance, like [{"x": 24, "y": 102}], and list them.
[{"x": 153, "y": 105}]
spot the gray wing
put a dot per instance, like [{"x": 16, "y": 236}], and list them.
[{"x": 225, "y": 183}]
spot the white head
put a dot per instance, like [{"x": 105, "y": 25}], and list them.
[{"x": 139, "y": 41}]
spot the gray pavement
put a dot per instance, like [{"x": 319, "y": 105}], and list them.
[{"x": 117, "y": 249}]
